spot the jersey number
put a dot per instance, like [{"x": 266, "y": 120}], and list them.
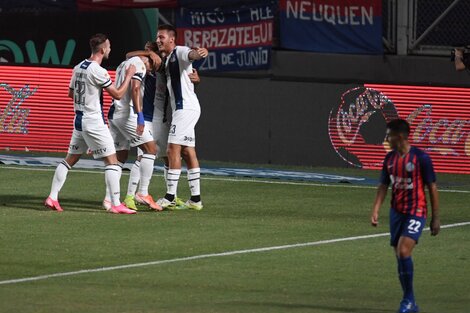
[
  {"x": 414, "y": 226},
  {"x": 79, "y": 94},
  {"x": 172, "y": 129}
]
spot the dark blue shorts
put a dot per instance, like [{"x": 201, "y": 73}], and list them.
[{"x": 405, "y": 225}]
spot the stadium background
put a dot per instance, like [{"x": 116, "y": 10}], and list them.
[{"x": 295, "y": 109}]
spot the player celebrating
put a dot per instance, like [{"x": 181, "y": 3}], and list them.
[
  {"x": 157, "y": 113},
  {"x": 90, "y": 130},
  {"x": 409, "y": 170},
  {"x": 185, "y": 114},
  {"x": 128, "y": 127},
  {"x": 149, "y": 83}
]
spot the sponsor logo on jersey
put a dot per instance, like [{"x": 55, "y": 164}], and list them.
[{"x": 410, "y": 167}]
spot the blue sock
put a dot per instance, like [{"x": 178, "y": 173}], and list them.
[
  {"x": 406, "y": 278},
  {"x": 399, "y": 274}
]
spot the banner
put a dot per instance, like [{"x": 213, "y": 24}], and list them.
[
  {"x": 438, "y": 116},
  {"x": 36, "y": 40},
  {"x": 332, "y": 26},
  {"x": 35, "y": 112},
  {"x": 238, "y": 38},
  {"x": 124, "y": 4}
]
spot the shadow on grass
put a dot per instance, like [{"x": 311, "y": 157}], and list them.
[
  {"x": 323, "y": 308},
  {"x": 26, "y": 202}
]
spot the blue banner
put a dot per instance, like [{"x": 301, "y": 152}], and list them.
[
  {"x": 332, "y": 26},
  {"x": 237, "y": 37}
]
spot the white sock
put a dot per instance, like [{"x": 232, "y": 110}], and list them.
[
  {"x": 146, "y": 171},
  {"x": 172, "y": 179},
  {"x": 134, "y": 178},
  {"x": 165, "y": 171},
  {"x": 107, "y": 196},
  {"x": 58, "y": 181},
  {"x": 194, "y": 181},
  {"x": 112, "y": 175}
]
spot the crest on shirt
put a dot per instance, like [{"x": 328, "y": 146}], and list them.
[
  {"x": 173, "y": 58},
  {"x": 410, "y": 167}
]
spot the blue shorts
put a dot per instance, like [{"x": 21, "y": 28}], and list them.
[{"x": 405, "y": 225}]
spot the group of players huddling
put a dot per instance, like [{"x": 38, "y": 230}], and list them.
[{"x": 154, "y": 109}]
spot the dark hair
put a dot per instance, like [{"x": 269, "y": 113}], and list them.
[
  {"x": 96, "y": 40},
  {"x": 152, "y": 45},
  {"x": 169, "y": 28},
  {"x": 399, "y": 126}
]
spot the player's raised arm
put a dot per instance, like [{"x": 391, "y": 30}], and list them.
[
  {"x": 198, "y": 53},
  {"x": 379, "y": 199},
  {"x": 118, "y": 93},
  {"x": 435, "y": 220},
  {"x": 156, "y": 60}
]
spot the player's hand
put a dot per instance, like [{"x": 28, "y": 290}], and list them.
[
  {"x": 194, "y": 77},
  {"x": 140, "y": 129},
  {"x": 130, "y": 70},
  {"x": 374, "y": 219},
  {"x": 157, "y": 61},
  {"x": 203, "y": 52},
  {"x": 435, "y": 226}
]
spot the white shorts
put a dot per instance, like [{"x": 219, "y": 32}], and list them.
[
  {"x": 182, "y": 128},
  {"x": 94, "y": 135},
  {"x": 149, "y": 126},
  {"x": 160, "y": 132},
  {"x": 124, "y": 132}
]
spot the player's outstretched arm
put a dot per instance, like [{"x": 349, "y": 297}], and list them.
[
  {"x": 379, "y": 199},
  {"x": 157, "y": 61},
  {"x": 118, "y": 93},
  {"x": 435, "y": 220},
  {"x": 198, "y": 53}
]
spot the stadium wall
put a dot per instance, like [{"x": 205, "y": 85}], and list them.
[{"x": 283, "y": 116}]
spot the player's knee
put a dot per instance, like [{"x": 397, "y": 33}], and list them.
[
  {"x": 403, "y": 251},
  {"x": 172, "y": 151},
  {"x": 149, "y": 148}
]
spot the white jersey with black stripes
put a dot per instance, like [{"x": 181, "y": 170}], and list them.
[
  {"x": 123, "y": 107},
  {"x": 87, "y": 82}
]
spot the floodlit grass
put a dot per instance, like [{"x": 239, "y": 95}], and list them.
[{"x": 350, "y": 276}]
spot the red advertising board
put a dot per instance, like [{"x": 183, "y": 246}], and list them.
[
  {"x": 35, "y": 112},
  {"x": 439, "y": 119}
]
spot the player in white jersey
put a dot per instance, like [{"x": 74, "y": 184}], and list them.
[
  {"x": 158, "y": 113},
  {"x": 128, "y": 127},
  {"x": 90, "y": 130},
  {"x": 185, "y": 114}
]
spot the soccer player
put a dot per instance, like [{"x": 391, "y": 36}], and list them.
[
  {"x": 128, "y": 127},
  {"x": 149, "y": 83},
  {"x": 408, "y": 169},
  {"x": 90, "y": 130},
  {"x": 157, "y": 111},
  {"x": 185, "y": 114}
]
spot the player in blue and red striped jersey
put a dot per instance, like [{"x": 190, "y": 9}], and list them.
[{"x": 408, "y": 169}]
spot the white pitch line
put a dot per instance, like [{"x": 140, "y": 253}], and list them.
[
  {"x": 205, "y": 256},
  {"x": 259, "y": 181}
]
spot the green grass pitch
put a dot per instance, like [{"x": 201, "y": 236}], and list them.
[{"x": 350, "y": 276}]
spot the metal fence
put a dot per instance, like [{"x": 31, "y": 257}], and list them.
[{"x": 437, "y": 26}]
